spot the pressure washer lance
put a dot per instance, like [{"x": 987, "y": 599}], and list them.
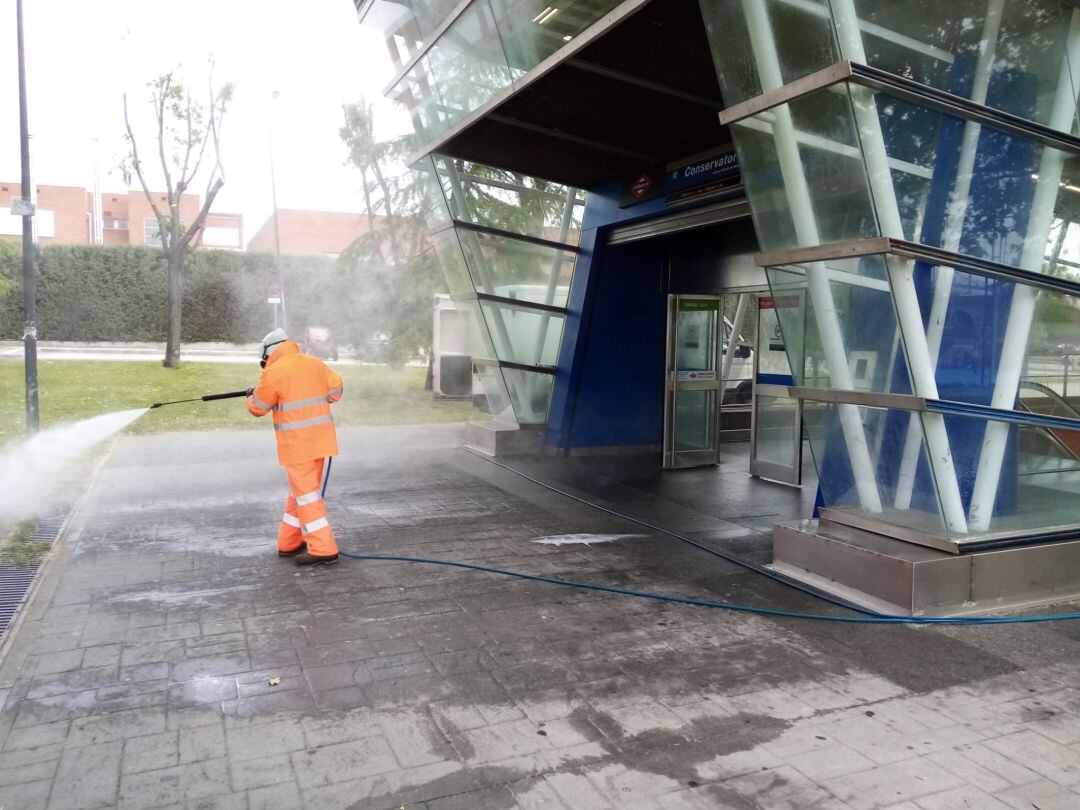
[{"x": 207, "y": 398}]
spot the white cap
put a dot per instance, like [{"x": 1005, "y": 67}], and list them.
[{"x": 269, "y": 342}]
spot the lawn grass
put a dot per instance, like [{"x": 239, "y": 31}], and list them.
[
  {"x": 77, "y": 389},
  {"x": 18, "y": 549}
]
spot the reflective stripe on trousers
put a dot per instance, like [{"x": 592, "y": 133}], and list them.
[{"x": 305, "y": 512}]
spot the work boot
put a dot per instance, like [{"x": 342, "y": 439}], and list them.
[
  {"x": 311, "y": 559},
  {"x": 300, "y": 549}
]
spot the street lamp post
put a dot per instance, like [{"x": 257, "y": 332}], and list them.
[
  {"x": 25, "y": 208},
  {"x": 277, "y": 233}
]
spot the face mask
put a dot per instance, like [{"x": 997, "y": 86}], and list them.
[{"x": 266, "y": 353}]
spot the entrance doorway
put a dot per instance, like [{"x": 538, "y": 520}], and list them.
[{"x": 709, "y": 375}]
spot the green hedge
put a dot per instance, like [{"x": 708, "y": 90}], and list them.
[{"x": 117, "y": 293}]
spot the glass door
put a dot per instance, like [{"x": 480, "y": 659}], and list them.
[
  {"x": 693, "y": 385},
  {"x": 776, "y": 426}
]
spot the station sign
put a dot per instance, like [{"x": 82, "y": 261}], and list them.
[
  {"x": 648, "y": 184},
  {"x": 708, "y": 175},
  {"x": 699, "y": 304},
  {"x": 697, "y": 375},
  {"x": 722, "y": 165}
]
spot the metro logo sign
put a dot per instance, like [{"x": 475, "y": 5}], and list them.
[{"x": 640, "y": 187}]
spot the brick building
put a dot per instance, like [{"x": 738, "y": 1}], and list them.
[
  {"x": 310, "y": 233},
  {"x": 65, "y": 216}
]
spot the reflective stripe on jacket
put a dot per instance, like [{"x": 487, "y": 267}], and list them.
[{"x": 298, "y": 389}]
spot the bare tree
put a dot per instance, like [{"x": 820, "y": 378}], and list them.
[{"x": 188, "y": 136}]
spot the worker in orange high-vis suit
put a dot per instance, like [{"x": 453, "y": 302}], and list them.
[{"x": 298, "y": 389}]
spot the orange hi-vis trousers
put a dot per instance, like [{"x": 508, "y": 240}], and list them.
[{"x": 305, "y": 512}]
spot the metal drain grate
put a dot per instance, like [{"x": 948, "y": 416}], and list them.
[
  {"x": 15, "y": 581},
  {"x": 48, "y": 529}
]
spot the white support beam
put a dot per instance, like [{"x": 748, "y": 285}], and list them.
[
  {"x": 767, "y": 59},
  {"x": 901, "y": 271},
  {"x": 954, "y": 225}
]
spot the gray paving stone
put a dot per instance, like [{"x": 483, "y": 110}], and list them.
[
  {"x": 497, "y": 797},
  {"x": 963, "y": 798},
  {"x": 343, "y": 761},
  {"x": 116, "y": 726},
  {"x": 1043, "y": 794},
  {"x": 831, "y": 761},
  {"x": 209, "y": 666},
  {"x": 87, "y": 777},
  {"x": 150, "y": 753},
  {"x": 104, "y": 655},
  {"x": 28, "y": 772},
  {"x": 35, "y": 736},
  {"x": 276, "y": 797},
  {"x": 261, "y": 772},
  {"x": 200, "y": 743},
  {"x": 984, "y": 768},
  {"x": 203, "y": 690},
  {"x": 1041, "y": 754},
  {"x": 28, "y": 796},
  {"x": 179, "y": 784},
  {"x": 265, "y": 739},
  {"x": 891, "y": 784}
]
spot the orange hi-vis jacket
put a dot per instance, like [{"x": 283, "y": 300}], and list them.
[{"x": 298, "y": 389}]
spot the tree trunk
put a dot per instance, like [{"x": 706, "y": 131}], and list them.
[
  {"x": 429, "y": 380},
  {"x": 172, "y": 340}
]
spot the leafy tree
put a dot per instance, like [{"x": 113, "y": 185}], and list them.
[
  {"x": 10, "y": 261},
  {"x": 188, "y": 137},
  {"x": 392, "y": 272},
  {"x": 388, "y": 276}
]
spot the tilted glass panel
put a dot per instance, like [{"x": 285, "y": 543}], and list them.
[
  {"x": 953, "y": 184},
  {"x": 856, "y": 293},
  {"x": 532, "y": 30},
  {"x": 418, "y": 93},
  {"x": 969, "y": 334},
  {"x": 499, "y": 404},
  {"x": 886, "y": 435},
  {"x": 425, "y": 196},
  {"x": 829, "y": 199},
  {"x": 524, "y": 335},
  {"x": 452, "y": 263},
  {"x": 476, "y": 331},
  {"x": 530, "y": 393},
  {"x": 394, "y": 20},
  {"x": 760, "y": 45},
  {"x": 776, "y": 431},
  {"x": 512, "y": 268},
  {"x": 1011, "y": 61},
  {"x": 469, "y": 63},
  {"x": 430, "y": 14},
  {"x": 510, "y": 201},
  {"x": 1038, "y": 488}
]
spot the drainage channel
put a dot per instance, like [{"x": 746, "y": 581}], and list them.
[{"x": 17, "y": 580}]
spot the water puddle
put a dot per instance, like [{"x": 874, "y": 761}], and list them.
[{"x": 583, "y": 539}]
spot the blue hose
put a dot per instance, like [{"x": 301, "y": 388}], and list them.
[
  {"x": 878, "y": 618},
  {"x": 868, "y": 617}
]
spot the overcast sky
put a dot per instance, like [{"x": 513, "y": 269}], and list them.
[{"x": 82, "y": 55}]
